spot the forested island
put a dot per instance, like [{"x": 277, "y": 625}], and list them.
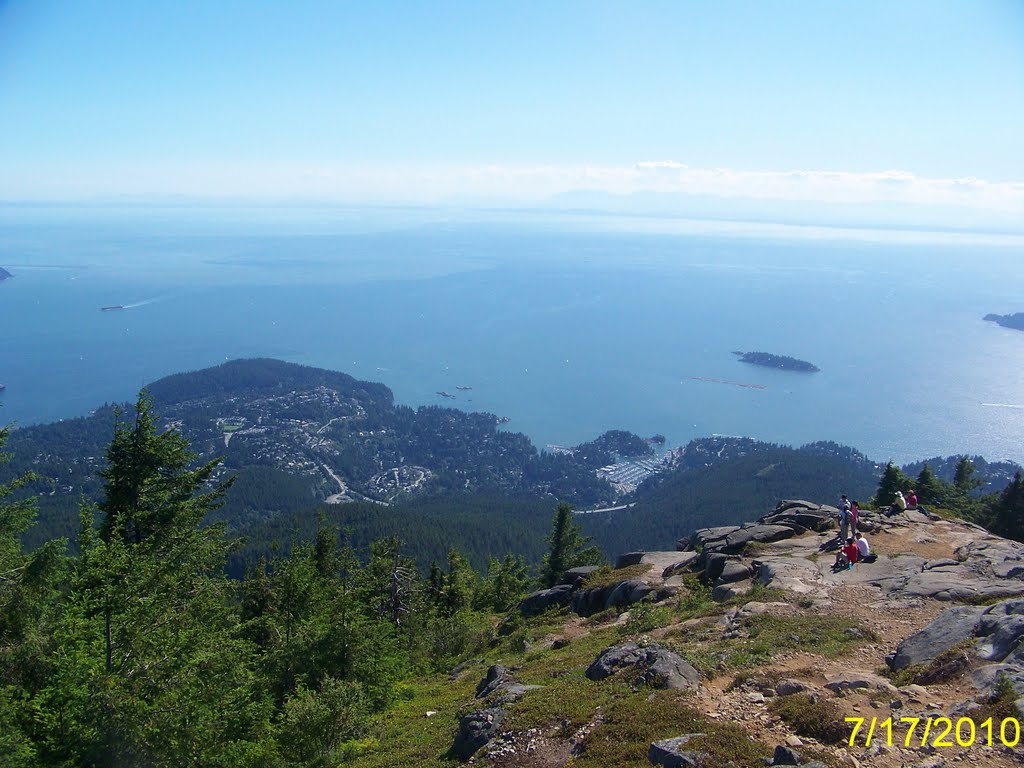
[
  {"x": 1014, "y": 321},
  {"x": 782, "y": 362}
]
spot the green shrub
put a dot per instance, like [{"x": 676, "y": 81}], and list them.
[{"x": 816, "y": 718}]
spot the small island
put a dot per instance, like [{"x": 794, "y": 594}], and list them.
[
  {"x": 781, "y": 362},
  {"x": 1014, "y": 321},
  {"x": 4, "y": 274}
]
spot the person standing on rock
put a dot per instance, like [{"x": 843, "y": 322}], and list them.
[
  {"x": 854, "y": 515},
  {"x": 911, "y": 499},
  {"x": 844, "y": 518}
]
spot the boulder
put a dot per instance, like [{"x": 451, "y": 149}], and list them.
[
  {"x": 656, "y": 666},
  {"x": 672, "y": 753},
  {"x": 714, "y": 564},
  {"x": 587, "y": 602},
  {"x": 789, "y": 687},
  {"x": 1000, "y": 629},
  {"x": 475, "y": 730},
  {"x": 707, "y": 537},
  {"x": 734, "y": 571},
  {"x": 680, "y": 565},
  {"x": 496, "y": 676},
  {"x": 626, "y": 593},
  {"x": 948, "y": 629},
  {"x": 543, "y": 599},
  {"x": 737, "y": 540},
  {"x": 785, "y": 756},
  {"x": 793, "y": 573}
]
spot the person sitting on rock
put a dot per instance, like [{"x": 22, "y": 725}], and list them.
[
  {"x": 846, "y": 556},
  {"x": 864, "y": 554},
  {"x": 911, "y": 499},
  {"x": 899, "y": 504}
]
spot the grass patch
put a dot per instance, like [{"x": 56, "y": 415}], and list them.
[
  {"x": 817, "y": 719},
  {"x": 631, "y": 722},
  {"x": 830, "y": 636},
  {"x": 605, "y": 576},
  {"x": 404, "y": 735}
]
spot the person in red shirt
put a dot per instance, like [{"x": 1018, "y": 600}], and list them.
[
  {"x": 847, "y": 556},
  {"x": 911, "y": 499}
]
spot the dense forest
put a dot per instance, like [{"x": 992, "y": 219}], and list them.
[
  {"x": 291, "y": 434},
  {"x": 487, "y": 491}
]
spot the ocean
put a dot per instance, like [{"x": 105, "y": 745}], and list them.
[{"x": 567, "y": 324}]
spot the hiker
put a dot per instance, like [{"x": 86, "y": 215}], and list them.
[
  {"x": 855, "y": 514},
  {"x": 847, "y": 556},
  {"x": 911, "y": 499},
  {"x": 864, "y": 549},
  {"x": 844, "y": 518},
  {"x": 899, "y": 504}
]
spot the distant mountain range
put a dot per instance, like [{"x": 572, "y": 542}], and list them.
[{"x": 1015, "y": 321}]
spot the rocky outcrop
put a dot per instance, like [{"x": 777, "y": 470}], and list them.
[
  {"x": 655, "y": 666},
  {"x": 500, "y": 687},
  {"x": 587, "y": 602},
  {"x": 995, "y": 634},
  {"x": 951, "y": 628},
  {"x": 475, "y": 730},
  {"x": 543, "y": 599},
  {"x": 672, "y": 753}
]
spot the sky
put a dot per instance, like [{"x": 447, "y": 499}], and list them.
[{"x": 871, "y": 104}]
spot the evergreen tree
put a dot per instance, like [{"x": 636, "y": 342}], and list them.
[
  {"x": 506, "y": 583},
  {"x": 963, "y": 476},
  {"x": 930, "y": 489},
  {"x": 892, "y": 480},
  {"x": 567, "y": 547},
  {"x": 1008, "y": 512},
  {"x": 149, "y": 489},
  {"x": 153, "y": 668},
  {"x": 28, "y": 595}
]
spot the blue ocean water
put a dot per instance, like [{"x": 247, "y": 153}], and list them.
[{"x": 567, "y": 327}]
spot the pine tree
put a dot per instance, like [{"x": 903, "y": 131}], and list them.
[
  {"x": 892, "y": 480},
  {"x": 28, "y": 596},
  {"x": 567, "y": 547},
  {"x": 963, "y": 476},
  {"x": 153, "y": 668},
  {"x": 930, "y": 490},
  {"x": 1008, "y": 514}
]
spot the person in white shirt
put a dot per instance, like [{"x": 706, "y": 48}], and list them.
[{"x": 864, "y": 548}]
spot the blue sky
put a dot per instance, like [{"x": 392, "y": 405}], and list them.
[{"x": 514, "y": 101}]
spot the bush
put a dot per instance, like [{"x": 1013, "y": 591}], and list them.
[
  {"x": 807, "y": 716},
  {"x": 316, "y": 725}
]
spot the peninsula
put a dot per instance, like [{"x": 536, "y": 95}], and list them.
[
  {"x": 781, "y": 362},
  {"x": 4, "y": 274},
  {"x": 1014, "y": 321}
]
